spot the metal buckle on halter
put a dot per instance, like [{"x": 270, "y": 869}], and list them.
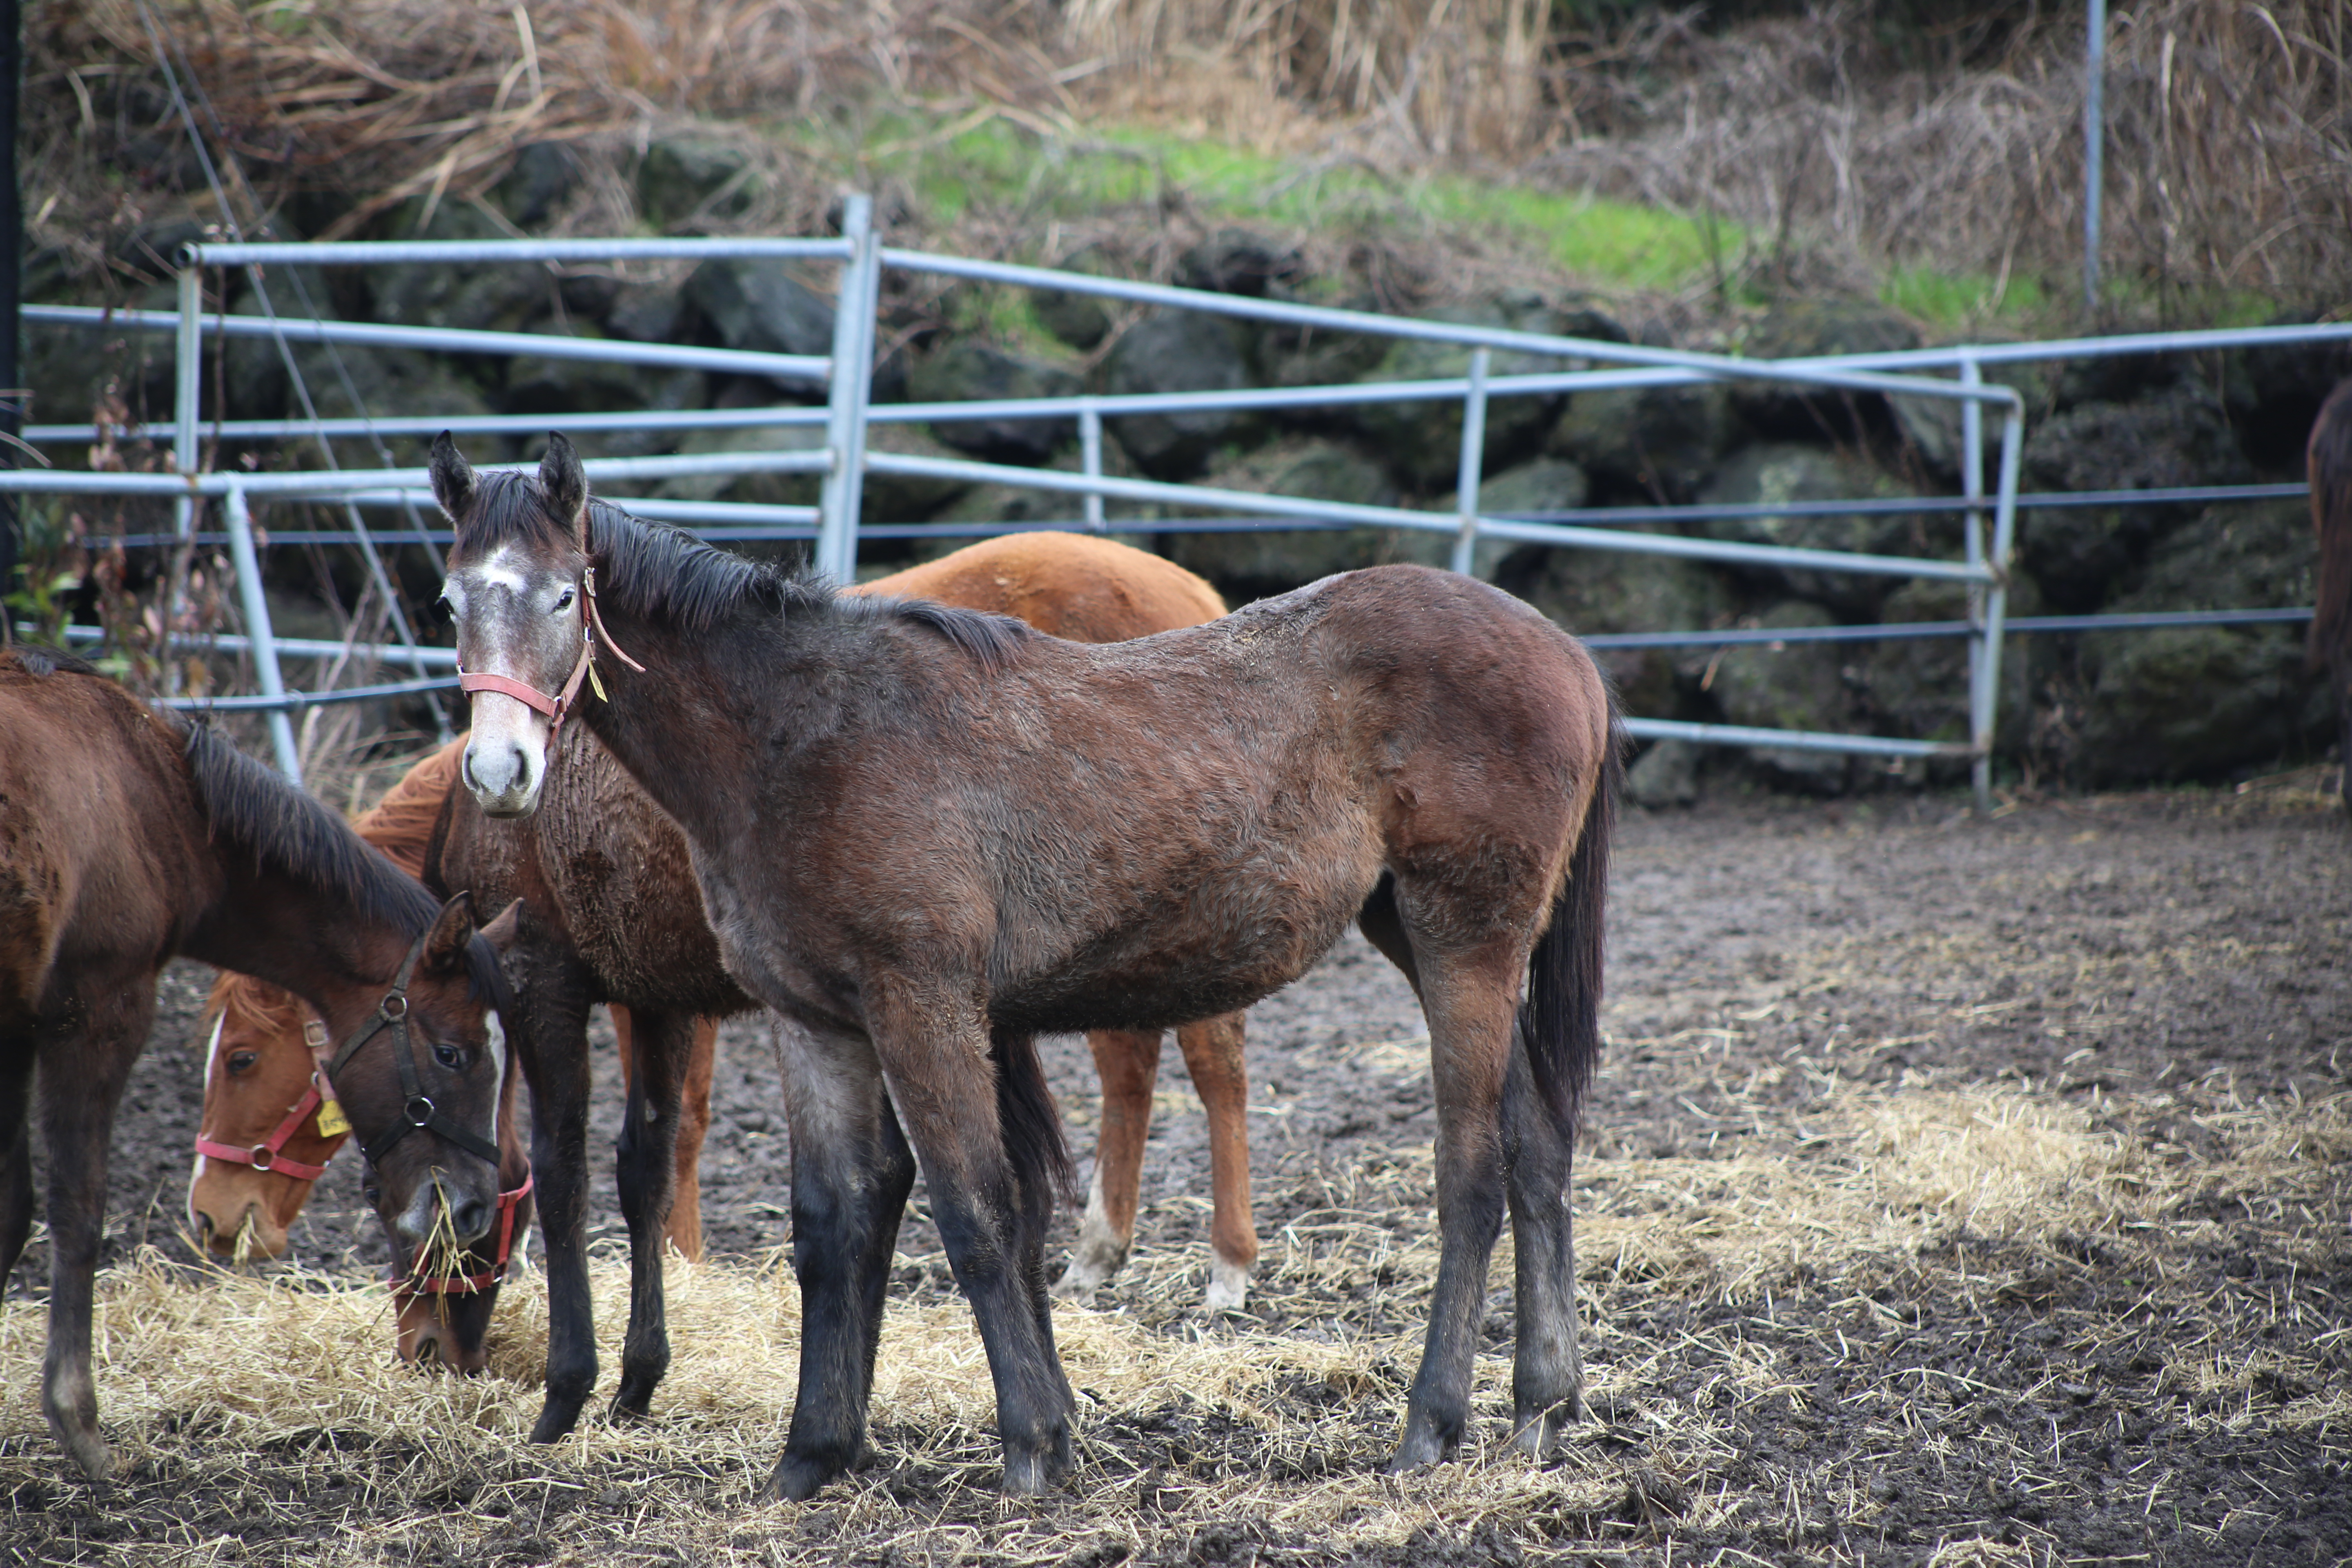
[
  {"x": 384, "y": 1008},
  {"x": 417, "y": 1118},
  {"x": 261, "y": 1154}
]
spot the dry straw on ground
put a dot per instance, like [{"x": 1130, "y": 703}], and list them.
[{"x": 1872, "y": 1207}]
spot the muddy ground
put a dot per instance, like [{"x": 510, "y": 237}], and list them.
[{"x": 2148, "y": 1366}]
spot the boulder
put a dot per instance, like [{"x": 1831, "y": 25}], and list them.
[
  {"x": 1810, "y": 328},
  {"x": 1422, "y": 440},
  {"x": 765, "y": 489},
  {"x": 1931, "y": 426},
  {"x": 1662, "y": 442},
  {"x": 539, "y": 385},
  {"x": 1081, "y": 320},
  {"x": 388, "y": 380},
  {"x": 2178, "y": 436},
  {"x": 760, "y": 305},
  {"x": 543, "y": 173},
  {"x": 1781, "y": 472},
  {"x": 968, "y": 372},
  {"x": 1238, "y": 261},
  {"x": 1790, "y": 686},
  {"x": 679, "y": 174},
  {"x": 2272, "y": 395},
  {"x": 1248, "y": 564},
  {"x": 2196, "y": 703},
  {"x": 1178, "y": 351},
  {"x": 650, "y": 313},
  {"x": 1665, "y": 775},
  {"x": 1919, "y": 687},
  {"x": 1546, "y": 485},
  {"x": 1590, "y": 591},
  {"x": 491, "y": 296}
]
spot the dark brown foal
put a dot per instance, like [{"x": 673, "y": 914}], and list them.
[{"x": 925, "y": 835}]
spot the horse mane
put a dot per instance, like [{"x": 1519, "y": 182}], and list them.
[
  {"x": 652, "y": 569},
  {"x": 281, "y": 825},
  {"x": 37, "y": 658},
  {"x": 398, "y": 825},
  {"x": 2330, "y": 471}
]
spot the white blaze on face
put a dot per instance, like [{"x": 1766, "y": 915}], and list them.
[
  {"x": 212, "y": 1057},
  {"x": 513, "y": 624},
  {"x": 497, "y": 1036}
]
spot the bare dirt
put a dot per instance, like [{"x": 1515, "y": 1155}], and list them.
[{"x": 1953, "y": 1192}]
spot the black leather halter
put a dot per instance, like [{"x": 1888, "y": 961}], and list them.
[{"x": 416, "y": 1106}]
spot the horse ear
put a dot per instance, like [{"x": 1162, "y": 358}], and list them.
[
  {"x": 452, "y": 478},
  {"x": 503, "y": 932},
  {"x": 453, "y": 929},
  {"x": 565, "y": 484}
]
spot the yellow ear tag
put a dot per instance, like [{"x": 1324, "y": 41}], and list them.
[
  {"x": 596, "y": 682},
  {"x": 332, "y": 1122}
]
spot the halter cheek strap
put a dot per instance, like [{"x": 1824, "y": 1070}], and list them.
[
  {"x": 591, "y": 628},
  {"x": 269, "y": 1154},
  {"x": 418, "y": 1106}
]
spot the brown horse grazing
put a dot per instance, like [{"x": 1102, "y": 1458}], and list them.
[
  {"x": 128, "y": 836},
  {"x": 611, "y": 911},
  {"x": 261, "y": 1145},
  {"x": 925, "y": 835},
  {"x": 2329, "y": 466}
]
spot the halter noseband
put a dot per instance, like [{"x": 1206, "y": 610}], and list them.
[
  {"x": 592, "y": 626},
  {"x": 416, "y": 1106},
  {"x": 418, "y": 1283}
]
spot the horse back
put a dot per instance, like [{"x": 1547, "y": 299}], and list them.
[
  {"x": 2329, "y": 466},
  {"x": 102, "y": 859},
  {"x": 1071, "y": 585}
]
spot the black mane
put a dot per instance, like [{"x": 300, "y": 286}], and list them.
[
  {"x": 654, "y": 570},
  {"x": 38, "y": 658},
  {"x": 281, "y": 825}
]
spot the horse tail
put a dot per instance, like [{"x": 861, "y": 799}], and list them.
[
  {"x": 2330, "y": 469},
  {"x": 1027, "y": 1119},
  {"x": 1560, "y": 1017}
]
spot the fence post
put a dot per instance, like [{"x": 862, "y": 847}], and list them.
[
  {"x": 2095, "y": 139},
  {"x": 1986, "y": 693},
  {"x": 1474, "y": 460},
  {"x": 1972, "y": 487},
  {"x": 853, "y": 376},
  {"x": 1090, "y": 452},
  {"x": 188, "y": 381},
  {"x": 256, "y": 629}
]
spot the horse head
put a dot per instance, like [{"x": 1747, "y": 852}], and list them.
[
  {"x": 519, "y": 592},
  {"x": 268, "y": 1127}
]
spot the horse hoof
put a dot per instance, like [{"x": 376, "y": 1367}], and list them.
[
  {"x": 1228, "y": 1287},
  {"x": 556, "y": 1421},
  {"x": 90, "y": 1451},
  {"x": 1032, "y": 1475},
  {"x": 1418, "y": 1451},
  {"x": 628, "y": 1411},
  {"x": 796, "y": 1479}
]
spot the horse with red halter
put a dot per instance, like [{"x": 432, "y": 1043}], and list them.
[
  {"x": 128, "y": 836},
  {"x": 2329, "y": 465},
  {"x": 611, "y": 911},
  {"x": 925, "y": 835}
]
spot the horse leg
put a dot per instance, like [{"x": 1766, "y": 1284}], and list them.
[
  {"x": 852, "y": 1171},
  {"x": 1128, "y": 1063},
  {"x": 1547, "y": 1373},
  {"x": 665, "y": 1043},
  {"x": 1213, "y": 1054},
  {"x": 1468, "y": 999},
  {"x": 82, "y": 1078},
  {"x": 989, "y": 1151},
  {"x": 685, "y": 1223},
  {"x": 16, "y": 1161},
  {"x": 551, "y": 1040}
]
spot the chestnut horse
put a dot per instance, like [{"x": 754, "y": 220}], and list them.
[
  {"x": 128, "y": 836},
  {"x": 261, "y": 1143},
  {"x": 2329, "y": 466},
  {"x": 925, "y": 835},
  {"x": 611, "y": 911}
]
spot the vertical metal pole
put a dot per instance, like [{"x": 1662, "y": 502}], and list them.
[
  {"x": 12, "y": 243},
  {"x": 852, "y": 376},
  {"x": 2004, "y": 539},
  {"x": 1090, "y": 452},
  {"x": 188, "y": 381},
  {"x": 1972, "y": 487},
  {"x": 2095, "y": 83},
  {"x": 1474, "y": 461},
  {"x": 256, "y": 628}
]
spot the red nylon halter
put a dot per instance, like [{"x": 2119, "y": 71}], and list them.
[
  {"x": 592, "y": 626},
  {"x": 417, "y": 1284},
  {"x": 270, "y": 1154}
]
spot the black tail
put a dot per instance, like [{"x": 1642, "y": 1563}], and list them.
[
  {"x": 1560, "y": 1017},
  {"x": 2331, "y": 521},
  {"x": 1029, "y": 1121}
]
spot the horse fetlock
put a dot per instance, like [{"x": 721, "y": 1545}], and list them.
[
  {"x": 1427, "y": 1440},
  {"x": 1228, "y": 1285},
  {"x": 1541, "y": 1431},
  {"x": 70, "y": 1401},
  {"x": 1098, "y": 1254},
  {"x": 1032, "y": 1471}
]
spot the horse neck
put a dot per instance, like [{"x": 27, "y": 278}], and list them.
[{"x": 287, "y": 931}]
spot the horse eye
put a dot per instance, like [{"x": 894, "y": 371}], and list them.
[
  {"x": 562, "y": 603},
  {"x": 450, "y": 1056},
  {"x": 444, "y": 611},
  {"x": 242, "y": 1061}
]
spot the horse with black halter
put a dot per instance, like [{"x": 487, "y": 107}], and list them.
[
  {"x": 128, "y": 836},
  {"x": 925, "y": 835}
]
